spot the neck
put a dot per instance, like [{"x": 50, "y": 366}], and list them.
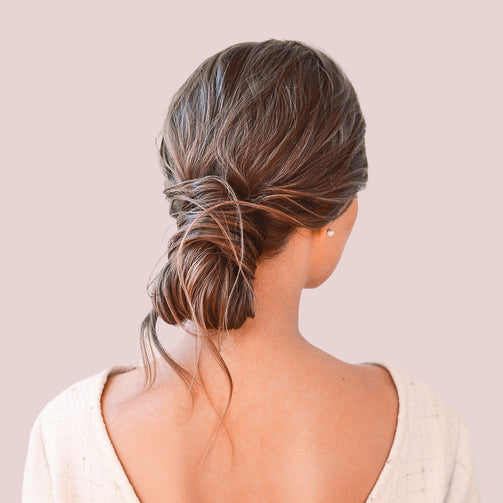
[{"x": 267, "y": 344}]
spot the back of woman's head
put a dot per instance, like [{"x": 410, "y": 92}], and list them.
[{"x": 263, "y": 138}]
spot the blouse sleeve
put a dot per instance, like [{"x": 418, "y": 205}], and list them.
[
  {"x": 37, "y": 485},
  {"x": 463, "y": 487}
]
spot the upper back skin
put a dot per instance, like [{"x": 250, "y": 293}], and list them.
[{"x": 320, "y": 434}]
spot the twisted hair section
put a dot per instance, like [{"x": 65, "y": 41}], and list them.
[{"x": 261, "y": 139}]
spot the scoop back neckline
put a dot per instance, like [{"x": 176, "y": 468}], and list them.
[{"x": 122, "y": 479}]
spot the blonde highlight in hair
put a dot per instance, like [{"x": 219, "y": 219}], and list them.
[{"x": 261, "y": 139}]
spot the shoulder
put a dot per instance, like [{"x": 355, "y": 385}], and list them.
[
  {"x": 428, "y": 425},
  {"x": 75, "y": 408},
  {"x": 419, "y": 398},
  {"x": 431, "y": 445},
  {"x": 69, "y": 453}
]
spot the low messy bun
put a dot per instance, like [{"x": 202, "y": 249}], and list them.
[
  {"x": 212, "y": 257},
  {"x": 263, "y": 138}
]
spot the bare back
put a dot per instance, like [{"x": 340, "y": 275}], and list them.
[{"x": 321, "y": 435}]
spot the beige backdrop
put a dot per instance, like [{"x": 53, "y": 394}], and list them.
[{"x": 85, "y": 86}]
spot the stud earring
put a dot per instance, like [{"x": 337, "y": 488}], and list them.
[{"x": 330, "y": 232}]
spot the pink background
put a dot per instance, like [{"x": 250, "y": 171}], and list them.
[{"x": 84, "y": 221}]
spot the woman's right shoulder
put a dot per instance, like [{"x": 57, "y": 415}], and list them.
[
  {"x": 432, "y": 439},
  {"x": 424, "y": 415},
  {"x": 418, "y": 395}
]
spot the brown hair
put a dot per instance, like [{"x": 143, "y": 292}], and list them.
[{"x": 261, "y": 139}]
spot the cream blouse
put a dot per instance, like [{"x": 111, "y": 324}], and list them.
[{"x": 71, "y": 458}]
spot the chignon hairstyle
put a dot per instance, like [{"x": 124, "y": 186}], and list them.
[{"x": 261, "y": 139}]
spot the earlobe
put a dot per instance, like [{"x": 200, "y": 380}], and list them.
[{"x": 342, "y": 219}]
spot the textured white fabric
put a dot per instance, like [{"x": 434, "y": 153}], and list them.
[{"x": 71, "y": 458}]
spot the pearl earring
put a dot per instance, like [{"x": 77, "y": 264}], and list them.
[{"x": 330, "y": 232}]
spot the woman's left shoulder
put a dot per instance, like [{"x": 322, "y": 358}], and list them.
[{"x": 76, "y": 402}]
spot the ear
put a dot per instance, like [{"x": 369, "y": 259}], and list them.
[
  {"x": 347, "y": 205},
  {"x": 333, "y": 224}
]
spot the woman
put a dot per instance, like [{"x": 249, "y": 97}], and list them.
[{"x": 263, "y": 152}]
